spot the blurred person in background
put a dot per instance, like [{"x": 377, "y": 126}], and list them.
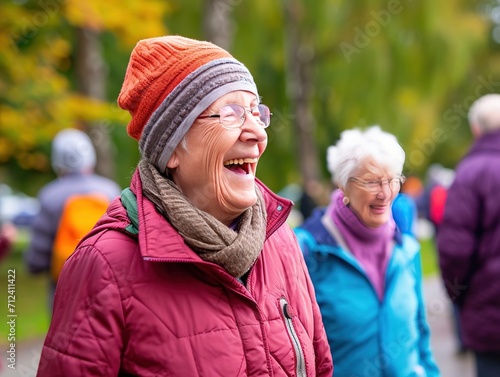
[
  {"x": 194, "y": 271},
  {"x": 432, "y": 200},
  {"x": 73, "y": 159},
  {"x": 365, "y": 270},
  {"x": 8, "y": 231},
  {"x": 469, "y": 238},
  {"x": 307, "y": 200},
  {"x": 8, "y": 234},
  {"x": 413, "y": 187}
]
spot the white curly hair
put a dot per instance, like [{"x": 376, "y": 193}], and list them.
[{"x": 356, "y": 146}]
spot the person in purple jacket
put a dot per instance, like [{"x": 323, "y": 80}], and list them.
[{"x": 469, "y": 238}]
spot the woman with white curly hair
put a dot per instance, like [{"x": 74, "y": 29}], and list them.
[{"x": 366, "y": 272}]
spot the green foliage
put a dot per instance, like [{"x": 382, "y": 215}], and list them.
[
  {"x": 429, "y": 257},
  {"x": 38, "y": 94},
  {"x": 32, "y": 305},
  {"x": 397, "y": 66},
  {"x": 412, "y": 67}
]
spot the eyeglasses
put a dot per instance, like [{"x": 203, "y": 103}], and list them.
[
  {"x": 233, "y": 115},
  {"x": 377, "y": 186}
]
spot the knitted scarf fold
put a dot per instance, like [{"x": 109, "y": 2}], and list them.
[
  {"x": 370, "y": 246},
  {"x": 235, "y": 251}
]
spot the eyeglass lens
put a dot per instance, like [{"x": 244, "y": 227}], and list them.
[
  {"x": 234, "y": 115},
  {"x": 393, "y": 184},
  {"x": 375, "y": 186}
]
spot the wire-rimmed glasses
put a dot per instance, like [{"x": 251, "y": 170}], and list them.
[
  {"x": 233, "y": 115},
  {"x": 377, "y": 186}
]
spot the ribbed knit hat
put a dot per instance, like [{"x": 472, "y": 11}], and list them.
[{"x": 169, "y": 82}]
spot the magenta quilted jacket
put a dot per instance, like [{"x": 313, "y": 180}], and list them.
[{"x": 147, "y": 305}]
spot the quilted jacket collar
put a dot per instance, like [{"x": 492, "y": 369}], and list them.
[
  {"x": 486, "y": 144},
  {"x": 158, "y": 240}
]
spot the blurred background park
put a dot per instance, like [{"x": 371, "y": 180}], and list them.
[{"x": 412, "y": 66}]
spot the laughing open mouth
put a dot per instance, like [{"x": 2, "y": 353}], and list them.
[{"x": 240, "y": 165}]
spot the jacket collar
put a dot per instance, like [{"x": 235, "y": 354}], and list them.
[
  {"x": 158, "y": 239},
  {"x": 322, "y": 236},
  {"x": 487, "y": 143},
  {"x": 404, "y": 251}
]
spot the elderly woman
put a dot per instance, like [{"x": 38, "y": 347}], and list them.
[
  {"x": 194, "y": 272},
  {"x": 367, "y": 272}
]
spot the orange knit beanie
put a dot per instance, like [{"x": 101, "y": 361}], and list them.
[{"x": 169, "y": 82}]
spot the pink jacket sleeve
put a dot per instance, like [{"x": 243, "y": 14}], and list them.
[{"x": 86, "y": 333}]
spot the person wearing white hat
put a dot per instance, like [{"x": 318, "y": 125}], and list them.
[{"x": 73, "y": 159}]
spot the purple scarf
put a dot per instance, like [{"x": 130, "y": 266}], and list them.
[{"x": 370, "y": 246}]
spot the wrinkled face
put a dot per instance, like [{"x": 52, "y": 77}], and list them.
[
  {"x": 216, "y": 171},
  {"x": 373, "y": 209}
]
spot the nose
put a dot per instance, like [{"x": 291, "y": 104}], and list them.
[
  {"x": 385, "y": 190},
  {"x": 252, "y": 130}
]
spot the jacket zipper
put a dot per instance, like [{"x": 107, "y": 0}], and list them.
[{"x": 301, "y": 366}]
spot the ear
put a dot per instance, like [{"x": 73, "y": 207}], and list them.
[
  {"x": 173, "y": 161},
  {"x": 475, "y": 130}
]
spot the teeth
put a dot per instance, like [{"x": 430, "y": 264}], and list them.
[{"x": 240, "y": 161}]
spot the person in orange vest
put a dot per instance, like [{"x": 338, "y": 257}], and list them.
[{"x": 73, "y": 159}]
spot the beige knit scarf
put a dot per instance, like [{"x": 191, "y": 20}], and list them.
[{"x": 235, "y": 251}]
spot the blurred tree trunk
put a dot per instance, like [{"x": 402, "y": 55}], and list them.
[
  {"x": 218, "y": 23},
  {"x": 299, "y": 59},
  {"x": 91, "y": 72}
]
